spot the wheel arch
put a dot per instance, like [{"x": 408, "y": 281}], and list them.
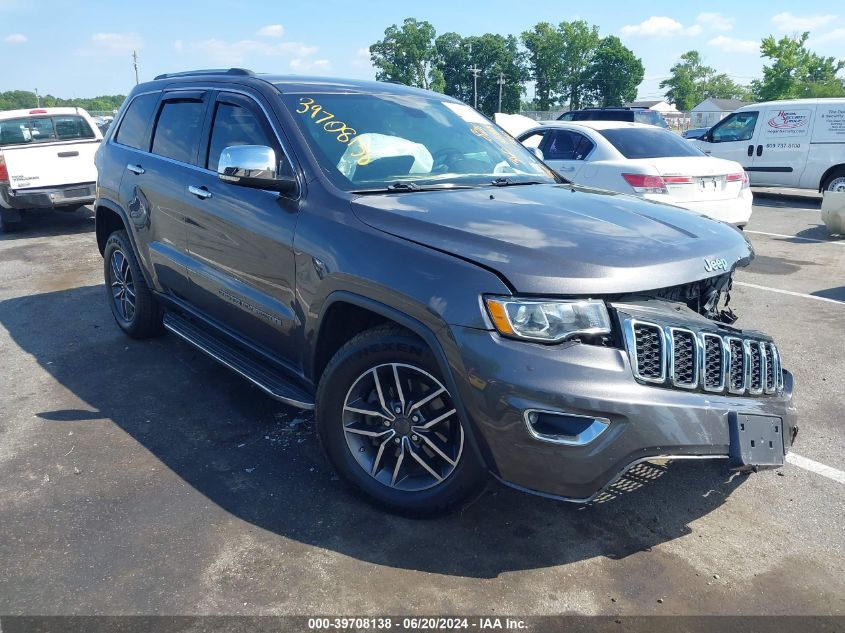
[
  {"x": 339, "y": 301},
  {"x": 829, "y": 172},
  {"x": 110, "y": 217}
]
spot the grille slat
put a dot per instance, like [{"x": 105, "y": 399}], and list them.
[{"x": 682, "y": 358}]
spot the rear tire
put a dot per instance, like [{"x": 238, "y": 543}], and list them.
[
  {"x": 10, "y": 220},
  {"x": 835, "y": 181},
  {"x": 132, "y": 303},
  {"x": 412, "y": 455}
]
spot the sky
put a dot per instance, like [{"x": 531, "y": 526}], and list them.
[{"x": 83, "y": 49}]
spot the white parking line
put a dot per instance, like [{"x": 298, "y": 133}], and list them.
[
  {"x": 816, "y": 467},
  {"x": 795, "y": 237},
  {"x": 789, "y": 292}
]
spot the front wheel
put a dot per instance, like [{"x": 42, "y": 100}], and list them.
[
  {"x": 390, "y": 426},
  {"x": 835, "y": 182},
  {"x": 133, "y": 305}
]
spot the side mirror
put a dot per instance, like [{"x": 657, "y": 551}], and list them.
[
  {"x": 253, "y": 166},
  {"x": 538, "y": 153}
]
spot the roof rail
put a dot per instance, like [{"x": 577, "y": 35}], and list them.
[{"x": 242, "y": 72}]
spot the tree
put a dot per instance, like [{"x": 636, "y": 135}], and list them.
[
  {"x": 797, "y": 72},
  {"x": 723, "y": 87},
  {"x": 544, "y": 45},
  {"x": 580, "y": 42},
  {"x": 407, "y": 55},
  {"x": 614, "y": 73},
  {"x": 496, "y": 56},
  {"x": 686, "y": 81},
  {"x": 24, "y": 99}
]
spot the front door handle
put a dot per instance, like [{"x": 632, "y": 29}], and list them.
[
  {"x": 565, "y": 168},
  {"x": 759, "y": 150},
  {"x": 751, "y": 150},
  {"x": 135, "y": 169},
  {"x": 199, "y": 192}
]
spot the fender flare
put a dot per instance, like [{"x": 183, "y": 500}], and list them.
[
  {"x": 429, "y": 338},
  {"x": 113, "y": 206}
]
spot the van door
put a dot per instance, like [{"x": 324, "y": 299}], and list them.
[
  {"x": 781, "y": 146},
  {"x": 732, "y": 138}
]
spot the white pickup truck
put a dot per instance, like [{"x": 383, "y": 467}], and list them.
[{"x": 46, "y": 161}]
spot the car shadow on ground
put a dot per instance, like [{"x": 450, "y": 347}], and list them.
[
  {"x": 49, "y": 223},
  {"x": 260, "y": 461},
  {"x": 818, "y": 232}
]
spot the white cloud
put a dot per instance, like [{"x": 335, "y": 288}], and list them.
[
  {"x": 310, "y": 65},
  {"x": 715, "y": 21},
  {"x": 111, "y": 44},
  {"x": 271, "y": 30},
  {"x": 734, "y": 45},
  {"x": 15, "y": 38},
  {"x": 789, "y": 23},
  {"x": 659, "y": 26},
  {"x": 233, "y": 53},
  {"x": 831, "y": 36}
]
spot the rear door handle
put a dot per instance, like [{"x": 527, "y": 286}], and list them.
[
  {"x": 68, "y": 154},
  {"x": 759, "y": 150},
  {"x": 135, "y": 169},
  {"x": 199, "y": 192}
]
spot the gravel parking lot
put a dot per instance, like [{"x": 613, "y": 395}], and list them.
[{"x": 142, "y": 478}]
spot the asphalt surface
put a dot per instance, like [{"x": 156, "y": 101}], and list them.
[{"x": 142, "y": 478}]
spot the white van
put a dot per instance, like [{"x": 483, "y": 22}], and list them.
[
  {"x": 797, "y": 143},
  {"x": 46, "y": 161}
]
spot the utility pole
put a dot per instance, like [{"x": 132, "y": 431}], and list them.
[
  {"x": 475, "y": 73},
  {"x": 37, "y": 99},
  {"x": 135, "y": 64},
  {"x": 501, "y": 85}
]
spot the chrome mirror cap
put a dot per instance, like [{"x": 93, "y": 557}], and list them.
[{"x": 253, "y": 166}]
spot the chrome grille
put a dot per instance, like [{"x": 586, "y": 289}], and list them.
[{"x": 686, "y": 359}]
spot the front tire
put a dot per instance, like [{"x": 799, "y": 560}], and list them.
[
  {"x": 835, "y": 182},
  {"x": 132, "y": 304},
  {"x": 390, "y": 427}
]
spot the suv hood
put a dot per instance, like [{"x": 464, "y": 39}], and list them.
[{"x": 562, "y": 239}]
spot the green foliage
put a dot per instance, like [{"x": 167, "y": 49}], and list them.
[
  {"x": 796, "y": 72},
  {"x": 614, "y": 73},
  {"x": 406, "y": 54},
  {"x": 544, "y": 44},
  {"x": 691, "y": 82},
  {"x": 23, "y": 99},
  {"x": 497, "y": 55}
]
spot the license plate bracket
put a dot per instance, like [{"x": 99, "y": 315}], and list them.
[{"x": 756, "y": 441}]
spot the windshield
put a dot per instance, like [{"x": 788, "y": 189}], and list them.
[
  {"x": 648, "y": 143},
  {"x": 373, "y": 141},
  {"x": 43, "y": 129}
]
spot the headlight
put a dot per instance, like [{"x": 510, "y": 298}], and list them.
[{"x": 550, "y": 321}]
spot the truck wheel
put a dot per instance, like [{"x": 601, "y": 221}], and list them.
[
  {"x": 835, "y": 182},
  {"x": 132, "y": 304},
  {"x": 390, "y": 427},
  {"x": 10, "y": 220}
]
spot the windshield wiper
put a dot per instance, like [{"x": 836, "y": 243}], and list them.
[
  {"x": 507, "y": 182},
  {"x": 404, "y": 186}
]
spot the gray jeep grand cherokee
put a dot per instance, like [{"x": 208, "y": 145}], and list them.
[{"x": 448, "y": 305}]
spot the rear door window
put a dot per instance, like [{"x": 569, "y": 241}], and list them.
[
  {"x": 565, "y": 145},
  {"x": 133, "y": 128},
  {"x": 178, "y": 129}
]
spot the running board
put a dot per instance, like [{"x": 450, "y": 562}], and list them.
[{"x": 271, "y": 381}]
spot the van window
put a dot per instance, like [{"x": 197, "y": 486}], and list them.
[
  {"x": 177, "y": 133},
  {"x": 133, "y": 128},
  {"x": 738, "y": 126}
]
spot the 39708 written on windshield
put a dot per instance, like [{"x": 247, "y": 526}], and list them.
[{"x": 343, "y": 133}]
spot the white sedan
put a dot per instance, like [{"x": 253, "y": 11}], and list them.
[{"x": 645, "y": 161}]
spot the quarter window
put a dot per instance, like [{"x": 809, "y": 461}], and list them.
[
  {"x": 177, "y": 133},
  {"x": 133, "y": 128},
  {"x": 234, "y": 125}
]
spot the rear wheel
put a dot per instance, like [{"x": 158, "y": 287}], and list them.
[
  {"x": 10, "y": 220},
  {"x": 133, "y": 305},
  {"x": 835, "y": 181},
  {"x": 390, "y": 427}
]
